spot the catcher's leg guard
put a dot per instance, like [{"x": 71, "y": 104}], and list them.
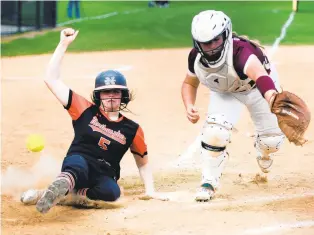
[
  {"x": 266, "y": 145},
  {"x": 215, "y": 137}
]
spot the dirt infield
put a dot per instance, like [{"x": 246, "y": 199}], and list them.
[{"x": 283, "y": 205}]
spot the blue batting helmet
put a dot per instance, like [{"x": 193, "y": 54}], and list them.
[{"x": 108, "y": 80}]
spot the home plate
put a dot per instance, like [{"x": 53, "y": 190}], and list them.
[{"x": 181, "y": 196}]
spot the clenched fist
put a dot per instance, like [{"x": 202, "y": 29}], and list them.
[
  {"x": 67, "y": 36},
  {"x": 192, "y": 114}
]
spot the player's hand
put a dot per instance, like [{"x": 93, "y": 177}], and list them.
[
  {"x": 192, "y": 113},
  {"x": 157, "y": 196},
  {"x": 67, "y": 36}
]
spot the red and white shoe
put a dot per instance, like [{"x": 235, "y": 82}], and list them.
[
  {"x": 31, "y": 196},
  {"x": 55, "y": 192}
]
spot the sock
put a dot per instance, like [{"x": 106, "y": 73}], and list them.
[{"x": 69, "y": 178}]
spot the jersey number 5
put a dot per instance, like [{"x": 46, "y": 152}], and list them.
[{"x": 103, "y": 142}]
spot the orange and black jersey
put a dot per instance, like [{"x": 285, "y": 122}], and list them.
[{"x": 100, "y": 141}]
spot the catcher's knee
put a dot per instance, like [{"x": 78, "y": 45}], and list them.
[
  {"x": 267, "y": 144},
  {"x": 216, "y": 134}
]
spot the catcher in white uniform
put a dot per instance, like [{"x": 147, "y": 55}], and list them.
[{"x": 238, "y": 74}]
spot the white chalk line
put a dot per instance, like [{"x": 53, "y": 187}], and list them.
[
  {"x": 120, "y": 68},
  {"x": 99, "y": 17},
  {"x": 195, "y": 146},
  {"x": 88, "y": 18},
  {"x": 279, "y": 227},
  {"x": 282, "y": 34}
]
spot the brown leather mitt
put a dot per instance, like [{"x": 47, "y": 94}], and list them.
[{"x": 293, "y": 116}]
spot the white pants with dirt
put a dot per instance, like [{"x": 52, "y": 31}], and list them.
[{"x": 224, "y": 111}]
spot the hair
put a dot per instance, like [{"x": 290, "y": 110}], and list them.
[
  {"x": 123, "y": 105},
  {"x": 245, "y": 37}
]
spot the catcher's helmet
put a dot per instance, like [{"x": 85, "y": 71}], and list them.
[
  {"x": 208, "y": 25},
  {"x": 108, "y": 80}
]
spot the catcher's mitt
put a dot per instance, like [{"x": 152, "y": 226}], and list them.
[{"x": 293, "y": 116}]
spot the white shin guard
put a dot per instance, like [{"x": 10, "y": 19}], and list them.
[
  {"x": 268, "y": 144},
  {"x": 212, "y": 167},
  {"x": 215, "y": 137}
]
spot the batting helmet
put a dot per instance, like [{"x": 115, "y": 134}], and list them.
[{"x": 108, "y": 80}]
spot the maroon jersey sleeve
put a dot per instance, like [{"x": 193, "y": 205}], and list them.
[
  {"x": 138, "y": 145},
  {"x": 191, "y": 60},
  {"x": 77, "y": 105},
  {"x": 242, "y": 50}
]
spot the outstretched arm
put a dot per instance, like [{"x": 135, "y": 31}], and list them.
[
  {"x": 52, "y": 78},
  {"x": 147, "y": 178},
  {"x": 256, "y": 71},
  {"x": 145, "y": 173}
]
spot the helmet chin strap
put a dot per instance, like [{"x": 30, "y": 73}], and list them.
[
  {"x": 208, "y": 59},
  {"x": 106, "y": 108},
  {"x": 111, "y": 114},
  {"x": 212, "y": 60}
]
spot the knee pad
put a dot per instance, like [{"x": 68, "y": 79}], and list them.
[
  {"x": 216, "y": 134},
  {"x": 110, "y": 195},
  {"x": 267, "y": 144},
  {"x": 104, "y": 192}
]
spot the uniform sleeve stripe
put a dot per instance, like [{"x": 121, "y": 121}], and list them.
[
  {"x": 70, "y": 100},
  {"x": 78, "y": 105},
  {"x": 141, "y": 155}
]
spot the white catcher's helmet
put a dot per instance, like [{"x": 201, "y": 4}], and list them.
[{"x": 206, "y": 26}]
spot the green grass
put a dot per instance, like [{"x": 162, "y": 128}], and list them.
[{"x": 167, "y": 27}]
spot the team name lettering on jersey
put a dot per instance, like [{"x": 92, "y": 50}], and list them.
[{"x": 115, "y": 135}]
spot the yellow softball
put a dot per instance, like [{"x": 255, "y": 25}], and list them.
[{"x": 35, "y": 142}]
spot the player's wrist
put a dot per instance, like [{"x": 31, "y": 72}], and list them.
[
  {"x": 189, "y": 106},
  {"x": 270, "y": 96},
  {"x": 265, "y": 84},
  {"x": 63, "y": 45}
]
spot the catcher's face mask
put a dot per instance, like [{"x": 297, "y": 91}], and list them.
[
  {"x": 212, "y": 49},
  {"x": 111, "y": 100}
]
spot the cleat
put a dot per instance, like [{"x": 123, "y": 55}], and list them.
[
  {"x": 55, "y": 192},
  {"x": 265, "y": 163},
  {"x": 31, "y": 196},
  {"x": 205, "y": 193}
]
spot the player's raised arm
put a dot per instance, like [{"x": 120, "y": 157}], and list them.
[{"x": 57, "y": 87}]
